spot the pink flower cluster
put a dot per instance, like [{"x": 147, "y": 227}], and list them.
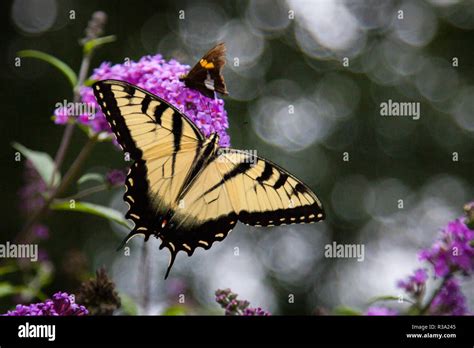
[
  {"x": 160, "y": 77},
  {"x": 62, "y": 304}
]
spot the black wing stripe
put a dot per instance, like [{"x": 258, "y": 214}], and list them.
[
  {"x": 145, "y": 103},
  {"x": 266, "y": 174},
  {"x": 281, "y": 181},
  {"x": 108, "y": 103},
  {"x": 105, "y": 87},
  {"x": 129, "y": 90},
  {"x": 177, "y": 134},
  {"x": 177, "y": 130},
  {"x": 241, "y": 168},
  {"x": 200, "y": 159},
  {"x": 159, "y": 109},
  {"x": 298, "y": 188},
  {"x": 311, "y": 213}
]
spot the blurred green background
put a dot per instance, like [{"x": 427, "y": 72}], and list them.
[{"x": 284, "y": 63}]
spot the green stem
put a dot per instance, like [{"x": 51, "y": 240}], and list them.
[
  {"x": 63, "y": 147},
  {"x": 69, "y": 130},
  {"x": 70, "y": 176},
  {"x": 61, "y": 154},
  {"x": 145, "y": 275},
  {"x": 89, "y": 191},
  {"x": 76, "y": 167}
]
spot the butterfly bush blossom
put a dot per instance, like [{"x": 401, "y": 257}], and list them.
[
  {"x": 160, "y": 77},
  {"x": 450, "y": 300},
  {"x": 452, "y": 256},
  {"x": 453, "y": 251},
  {"x": 378, "y": 311},
  {"x": 115, "y": 177},
  {"x": 232, "y": 306},
  {"x": 31, "y": 197},
  {"x": 415, "y": 284},
  {"x": 62, "y": 304}
]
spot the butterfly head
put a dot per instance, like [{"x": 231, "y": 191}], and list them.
[{"x": 183, "y": 77}]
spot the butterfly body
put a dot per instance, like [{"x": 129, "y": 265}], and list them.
[
  {"x": 206, "y": 75},
  {"x": 186, "y": 190}
]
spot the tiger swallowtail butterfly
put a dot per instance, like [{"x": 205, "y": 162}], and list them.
[{"x": 186, "y": 190}]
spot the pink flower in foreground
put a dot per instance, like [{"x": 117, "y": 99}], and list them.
[{"x": 62, "y": 304}]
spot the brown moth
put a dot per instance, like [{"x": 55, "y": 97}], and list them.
[{"x": 206, "y": 76}]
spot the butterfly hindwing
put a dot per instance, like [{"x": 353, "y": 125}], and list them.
[
  {"x": 204, "y": 217},
  {"x": 206, "y": 75},
  {"x": 238, "y": 186}
]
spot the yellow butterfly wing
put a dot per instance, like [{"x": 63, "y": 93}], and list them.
[
  {"x": 238, "y": 186},
  {"x": 186, "y": 190},
  {"x": 163, "y": 143}
]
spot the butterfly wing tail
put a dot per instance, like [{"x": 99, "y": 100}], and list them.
[
  {"x": 172, "y": 258},
  {"x": 130, "y": 236}
]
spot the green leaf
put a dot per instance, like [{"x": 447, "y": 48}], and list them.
[
  {"x": 87, "y": 131},
  {"x": 94, "y": 209},
  {"x": 128, "y": 306},
  {"x": 344, "y": 310},
  {"x": 93, "y": 44},
  {"x": 44, "y": 275},
  {"x": 413, "y": 310},
  {"x": 175, "y": 310},
  {"x": 57, "y": 63},
  {"x": 89, "y": 82},
  {"x": 91, "y": 177},
  {"x": 7, "y": 269},
  {"x": 388, "y": 298},
  {"x": 383, "y": 298},
  {"x": 7, "y": 289},
  {"x": 42, "y": 162}
]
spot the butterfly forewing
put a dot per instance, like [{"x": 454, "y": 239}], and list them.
[{"x": 163, "y": 143}]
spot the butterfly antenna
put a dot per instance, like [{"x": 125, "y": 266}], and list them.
[{"x": 172, "y": 258}]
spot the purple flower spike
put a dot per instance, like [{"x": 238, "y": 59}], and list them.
[
  {"x": 41, "y": 231},
  {"x": 232, "y": 306},
  {"x": 62, "y": 304},
  {"x": 450, "y": 300},
  {"x": 31, "y": 194},
  {"x": 161, "y": 78},
  {"x": 381, "y": 311},
  {"x": 255, "y": 312},
  {"x": 453, "y": 251},
  {"x": 61, "y": 116},
  {"x": 414, "y": 284},
  {"x": 116, "y": 177}
]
